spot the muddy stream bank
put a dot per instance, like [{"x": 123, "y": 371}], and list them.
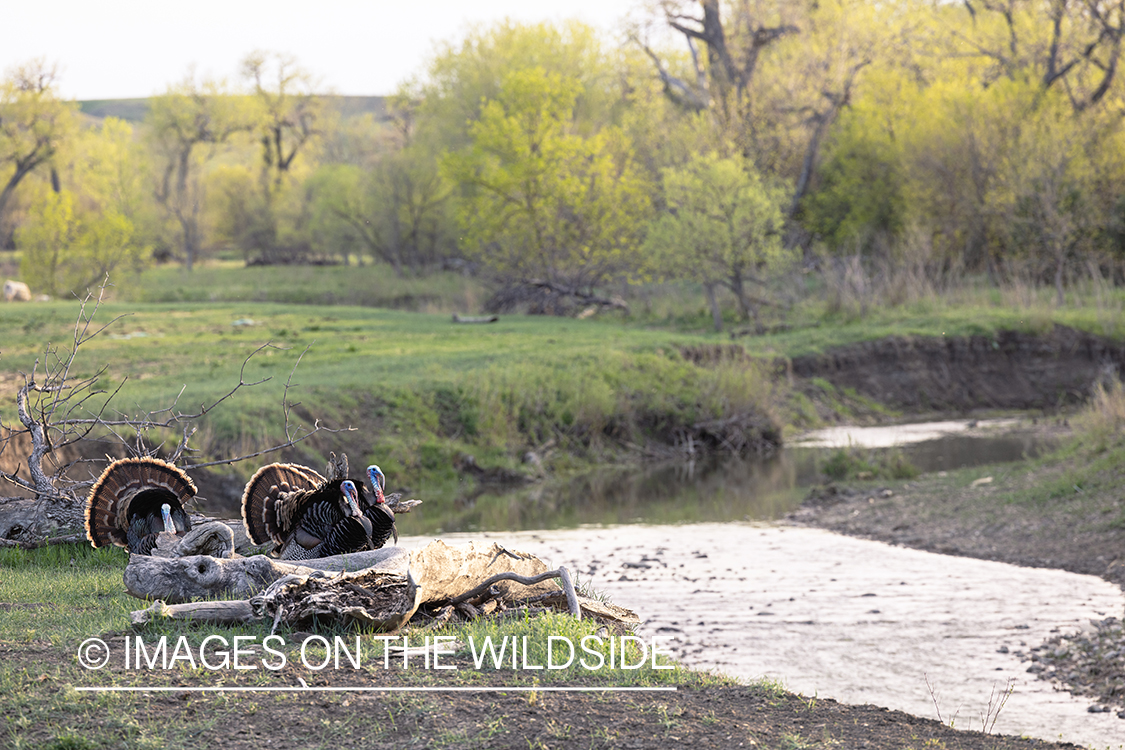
[{"x": 851, "y": 619}]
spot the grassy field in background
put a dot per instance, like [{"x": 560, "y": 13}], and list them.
[
  {"x": 422, "y": 391},
  {"x": 814, "y": 319}
]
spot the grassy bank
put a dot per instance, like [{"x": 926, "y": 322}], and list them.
[
  {"x": 440, "y": 405},
  {"x": 420, "y": 392}
]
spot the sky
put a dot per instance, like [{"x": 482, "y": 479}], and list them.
[{"x": 118, "y": 49}]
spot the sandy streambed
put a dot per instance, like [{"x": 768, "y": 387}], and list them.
[{"x": 850, "y": 619}]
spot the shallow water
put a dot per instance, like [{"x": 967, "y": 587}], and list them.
[
  {"x": 888, "y": 436},
  {"x": 728, "y": 489},
  {"x": 850, "y": 619}
]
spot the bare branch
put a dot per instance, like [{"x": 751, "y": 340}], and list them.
[{"x": 56, "y": 410}]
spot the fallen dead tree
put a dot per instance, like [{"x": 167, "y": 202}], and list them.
[
  {"x": 382, "y": 588},
  {"x": 184, "y": 579},
  {"x": 538, "y": 297}
]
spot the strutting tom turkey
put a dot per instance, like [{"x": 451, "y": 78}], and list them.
[
  {"x": 134, "y": 500},
  {"x": 307, "y": 515}
]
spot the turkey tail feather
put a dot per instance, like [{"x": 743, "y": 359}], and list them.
[
  {"x": 108, "y": 504},
  {"x": 272, "y": 498}
]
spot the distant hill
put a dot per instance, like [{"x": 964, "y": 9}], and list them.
[{"x": 134, "y": 110}]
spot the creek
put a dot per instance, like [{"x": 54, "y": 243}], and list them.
[
  {"x": 697, "y": 551},
  {"x": 718, "y": 489},
  {"x": 831, "y": 616}
]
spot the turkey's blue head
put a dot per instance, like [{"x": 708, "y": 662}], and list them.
[
  {"x": 166, "y": 514},
  {"x": 378, "y": 482},
  {"x": 350, "y": 496}
]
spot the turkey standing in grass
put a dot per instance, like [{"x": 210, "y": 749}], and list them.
[
  {"x": 134, "y": 500},
  {"x": 382, "y": 517},
  {"x": 304, "y": 514}
]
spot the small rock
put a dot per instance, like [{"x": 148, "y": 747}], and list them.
[
  {"x": 1002, "y": 650},
  {"x": 1096, "y": 709}
]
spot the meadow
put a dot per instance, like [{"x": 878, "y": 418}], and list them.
[{"x": 421, "y": 393}]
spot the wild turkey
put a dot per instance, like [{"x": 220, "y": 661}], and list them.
[
  {"x": 304, "y": 514},
  {"x": 134, "y": 500},
  {"x": 382, "y": 517}
]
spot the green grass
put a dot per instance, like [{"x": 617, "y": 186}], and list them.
[
  {"x": 367, "y": 286},
  {"x": 423, "y": 393},
  {"x": 856, "y": 463},
  {"x": 74, "y": 592},
  {"x": 418, "y": 389}
]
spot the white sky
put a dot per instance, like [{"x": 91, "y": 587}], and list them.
[{"x": 115, "y": 49}]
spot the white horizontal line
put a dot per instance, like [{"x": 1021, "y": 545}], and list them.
[{"x": 299, "y": 689}]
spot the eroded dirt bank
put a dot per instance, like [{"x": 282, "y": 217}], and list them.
[{"x": 1009, "y": 370}]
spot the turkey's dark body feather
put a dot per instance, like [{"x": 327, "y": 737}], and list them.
[
  {"x": 382, "y": 524},
  {"x": 304, "y": 515}
]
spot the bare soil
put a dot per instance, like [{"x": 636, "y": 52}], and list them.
[
  {"x": 694, "y": 716},
  {"x": 1007, "y": 370}
]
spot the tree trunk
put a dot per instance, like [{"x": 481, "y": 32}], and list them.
[
  {"x": 716, "y": 314},
  {"x": 1061, "y": 261}
]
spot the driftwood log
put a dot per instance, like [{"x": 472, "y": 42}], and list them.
[
  {"x": 475, "y": 318},
  {"x": 383, "y": 588},
  {"x": 182, "y": 579},
  {"x": 385, "y": 601},
  {"x": 380, "y": 599},
  {"x": 441, "y": 571}
]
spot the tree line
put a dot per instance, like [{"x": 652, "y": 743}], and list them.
[{"x": 723, "y": 143}]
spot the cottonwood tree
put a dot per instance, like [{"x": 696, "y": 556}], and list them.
[
  {"x": 66, "y": 249},
  {"x": 393, "y": 204},
  {"x": 722, "y": 228},
  {"x": 34, "y": 123},
  {"x": 545, "y": 203},
  {"x": 289, "y": 119},
  {"x": 188, "y": 125},
  {"x": 100, "y": 220},
  {"x": 290, "y": 113},
  {"x": 773, "y": 76},
  {"x": 461, "y": 77},
  {"x": 1074, "y": 45},
  {"x": 396, "y": 212}
]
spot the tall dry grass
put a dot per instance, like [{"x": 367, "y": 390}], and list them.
[
  {"x": 910, "y": 272},
  {"x": 1101, "y": 424}
]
